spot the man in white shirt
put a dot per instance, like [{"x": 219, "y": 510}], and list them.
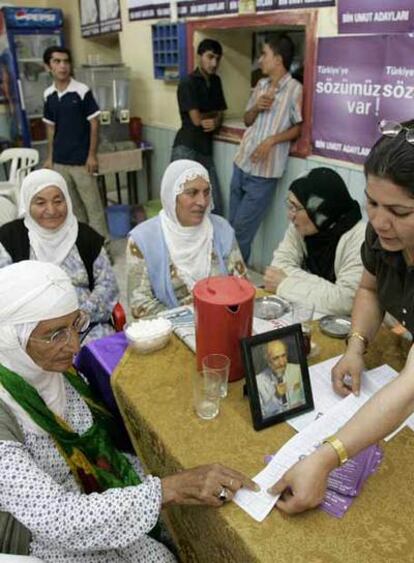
[{"x": 280, "y": 384}]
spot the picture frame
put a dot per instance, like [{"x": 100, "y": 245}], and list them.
[{"x": 277, "y": 376}]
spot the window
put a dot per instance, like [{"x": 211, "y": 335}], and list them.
[{"x": 241, "y": 38}]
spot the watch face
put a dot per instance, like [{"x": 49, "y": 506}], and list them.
[{"x": 337, "y": 326}]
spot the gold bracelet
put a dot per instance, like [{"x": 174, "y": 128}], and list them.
[
  {"x": 338, "y": 447},
  {"x": 361, "y": 337}
]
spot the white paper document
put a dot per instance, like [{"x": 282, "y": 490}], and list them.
[
  {"x": 330, "y": 414},
  {"x": 182, "y": 319},
  {"x": 258, "y": 505},
  {"x": 324, "y": 397}
]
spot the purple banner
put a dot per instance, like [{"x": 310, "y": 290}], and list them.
[
  {"x": 374, "y": 80},
  {"x": 375, "y": 16},
  {"x": 397, "y": 96}
]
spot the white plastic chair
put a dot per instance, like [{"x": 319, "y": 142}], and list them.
[
  {"x": 22, "y": 161},
  {"x": 8, "y": 209}
]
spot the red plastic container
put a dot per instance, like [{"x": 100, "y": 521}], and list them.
[
  {"x": 223, "y": 309},
  {"x": 135, "y": 129}
]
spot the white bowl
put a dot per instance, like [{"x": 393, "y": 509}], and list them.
[{"x": 147, "y": 343}]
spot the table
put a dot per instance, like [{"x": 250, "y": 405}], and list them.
[
  {"x": 154, "y": 396},
  {"x": 96, "y": 361},
  {"x": 129, "y": 161}
]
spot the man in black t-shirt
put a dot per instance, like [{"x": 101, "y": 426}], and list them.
[{"x": 201, "y": 103}]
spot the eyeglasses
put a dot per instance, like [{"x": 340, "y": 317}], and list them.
[
  {"x": 62, "y": 336},
  {"x": 393, "y": 128},
  {"x": 291, "y": 207}
]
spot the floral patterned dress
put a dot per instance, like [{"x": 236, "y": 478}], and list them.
[
  {"x": 38, "y": 489},
  {"x": 98, "y": 303}
]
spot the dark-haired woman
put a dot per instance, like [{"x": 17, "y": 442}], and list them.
[
  {"x": 388, "y": 251},
  {"x": 319, "y": 259},
  {"x": 386, "y": 285}
]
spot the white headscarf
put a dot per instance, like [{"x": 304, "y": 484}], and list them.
[
  {"x": 189, "y": 247},
  {"x": 31, "y": 292},
  {"x": 49, "y": 245}
]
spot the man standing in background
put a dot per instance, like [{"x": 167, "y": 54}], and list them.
[
  {"x": 201, "y": 103},
  {"x": 273, "y": 117},
  {"x": 71, "y": 117}
]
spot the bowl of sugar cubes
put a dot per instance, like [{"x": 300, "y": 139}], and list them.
[{"x": 148, "y": 335}]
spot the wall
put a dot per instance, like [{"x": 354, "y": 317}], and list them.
[
  {"x": 235, "y": 66},
  {"x": 108, "y": 49},
  {"x": 155, "y": 102}
]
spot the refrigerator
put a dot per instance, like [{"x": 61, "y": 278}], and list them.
[{"x": 24, "y": 35}]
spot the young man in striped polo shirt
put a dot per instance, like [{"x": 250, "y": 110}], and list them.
[{"x": 273, "y": 118}]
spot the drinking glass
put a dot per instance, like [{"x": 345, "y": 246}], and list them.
[
  {"x": 206, "y": 396},
  {"x": 217, "y": 366},
  {"x": 303, "y": 313}
]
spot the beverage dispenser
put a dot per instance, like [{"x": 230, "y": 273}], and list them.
[
  {"x": 223, "y": 307},
  {"x": 110, "y": 86}
]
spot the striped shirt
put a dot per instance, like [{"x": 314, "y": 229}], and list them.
[{"x": 286, "y": 111}]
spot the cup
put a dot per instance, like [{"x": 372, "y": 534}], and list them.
[
  {"x": 303, "y": 313},
  {"x": 217, "y": 367},
  {"x": 206, "y": 396}
]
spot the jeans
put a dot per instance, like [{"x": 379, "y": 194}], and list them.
[
  {"x": 181, "y": 151},
  {"x": 250, "y": 196}
]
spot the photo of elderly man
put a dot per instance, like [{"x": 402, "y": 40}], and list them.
[{"x": 280, "y": 383}]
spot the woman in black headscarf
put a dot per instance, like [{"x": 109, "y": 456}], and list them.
[{"x": 319, "y": 259}]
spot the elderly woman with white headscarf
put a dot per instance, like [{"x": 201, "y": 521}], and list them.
[
  {"x": 168, "y": 254},
  {"x": 48, "y": 231},
  {"x": 66, "y": 493}
]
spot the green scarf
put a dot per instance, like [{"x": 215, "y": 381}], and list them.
[
  {"x": 92, "y": 458},
  {"x": 95, "y": 463}
]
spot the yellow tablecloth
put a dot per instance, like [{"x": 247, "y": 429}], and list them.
[{"x": 154, "y": 395}]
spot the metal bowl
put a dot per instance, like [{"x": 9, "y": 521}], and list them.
[
  {"x": 337, "y": 326},
  {"x": 270, "y": 307}
]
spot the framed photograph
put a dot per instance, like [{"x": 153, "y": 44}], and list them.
[{"x": 277, "y": 376}]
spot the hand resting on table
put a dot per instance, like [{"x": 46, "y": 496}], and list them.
[{"x": 202, "y": 485}]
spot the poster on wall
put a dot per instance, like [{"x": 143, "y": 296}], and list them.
[
  {"x": 109, "y": 16},
  {"x": 375, "y": 16},
  {"x": 202, "y": 8},
  {"x": 146, "y": 9},
  {"x": 99, "y": 16},
  {"x": 359, "y": 81},
  {"x": 264, "y": 5}
]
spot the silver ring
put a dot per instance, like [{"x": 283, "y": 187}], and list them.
[{"x": 223, "y": 494}]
